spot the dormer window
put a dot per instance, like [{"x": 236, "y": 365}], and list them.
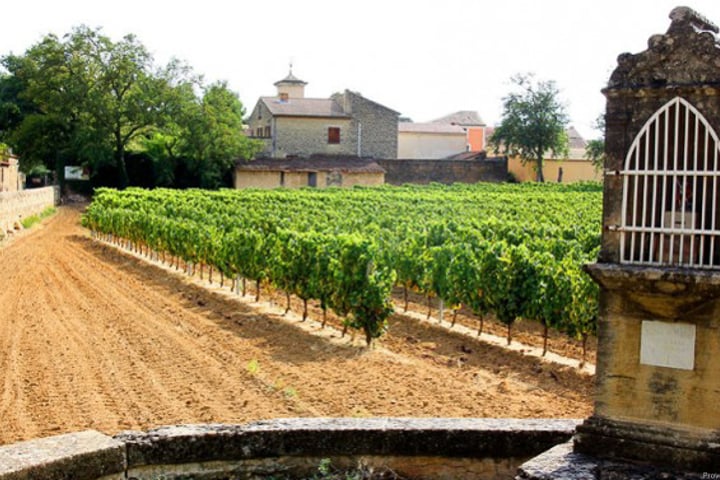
[
  {"x": 284, "y": 97},
  {"x": 670, "y": 191}
]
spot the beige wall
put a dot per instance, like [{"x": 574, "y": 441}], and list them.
[
  {"x": 263, "y": 179},
  {"x": 417, "y": 145},
  {"x": 257, "y": 179},
  {"x": 573, "y": 170}
]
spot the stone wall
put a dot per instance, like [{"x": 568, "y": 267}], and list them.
[
  {"x": 398, "y": 172},
  {"x": 375, "y": 127},
  {"x": 303, "y": 136},
  {"x": 486, "y": 449},
  {"x": 11, "y": 179},
  {"x": 15, "y": 206}
]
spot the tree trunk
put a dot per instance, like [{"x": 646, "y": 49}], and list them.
[
  {"x": 454, "y": 317},
  {"x": 287, "y": 305},
  {"x": 222, "y": 279},
  {"x": 123, "y": 179},
  {"x": 482, "y": 323},
  {"x": 202, "y": 269},
  {"x": 584, "y": 350},
  {"x": 257, "y": 290},
  {"x": 539, "y": 166},
  {"x": 429, "y": 305},
  {"x": 324, "y": 322},
  {"x": 210, "y": 274},
  {"x": 509, "y": 333},
  {"x": 405, "y": 297},
  {"x": 545, "y": 338},
  {"x": 305, "y": 309},
  {"x": 244, "y": 286}
]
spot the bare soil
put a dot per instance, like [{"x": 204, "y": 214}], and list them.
[{"x": 92, "y": 337}]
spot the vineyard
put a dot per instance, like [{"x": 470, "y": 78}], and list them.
[{"x": 510, "y": 251}]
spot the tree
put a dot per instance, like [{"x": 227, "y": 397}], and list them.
[
  {"x": 533, "y": 123},
  {"x": 595, "y": 149},
  {"x": 94, "y": 96},
  {"x": 212, "y": 135}
]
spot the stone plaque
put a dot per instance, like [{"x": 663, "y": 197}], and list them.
[{"x": 667, "y": 344}]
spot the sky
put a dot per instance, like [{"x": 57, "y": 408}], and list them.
[{"x": 424, "y": 59}]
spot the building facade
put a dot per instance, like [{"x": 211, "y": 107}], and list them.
[
  {"x": 346, "y": 124},
  {"x": 458, "y": 132},
  {"x": 314, "y": 172}
]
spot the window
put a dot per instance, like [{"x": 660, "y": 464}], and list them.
[
  {"x": 284, "y": 97},
  {"x": 334, "y": 135},
  {"x": 670, "y": 185},
  {"x": 312, "y": 179},
  {"x": 267, "y": 132},
  {"x": 282, "y": 179}
]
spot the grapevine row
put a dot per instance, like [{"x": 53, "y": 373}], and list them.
[{"x": 514, "y": 251}]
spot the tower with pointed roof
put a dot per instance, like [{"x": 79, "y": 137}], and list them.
[{"x": 290, "y": 87}]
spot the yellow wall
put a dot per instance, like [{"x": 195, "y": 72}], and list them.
[
  {"x": 573, "y": 170},
  {"x": 257, "y": 179}
]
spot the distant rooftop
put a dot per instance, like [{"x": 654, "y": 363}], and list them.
[
  {"x": 575, "y": 140},
  {"x": 411, "y": 127},
  {"x": 465, "y": 118},
  {"x": 290, "y": 79},
  {"x": 304, "y": 107}
]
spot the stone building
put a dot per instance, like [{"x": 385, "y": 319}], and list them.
[
  {"x": 346, "y": 124},
  {"x": 316, "y": 171},
  {"x": 11, "y": 179},
  {"x": 659, "y": 266}
]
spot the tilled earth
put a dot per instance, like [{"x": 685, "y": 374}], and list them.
[{"x": 94, "y": 338}]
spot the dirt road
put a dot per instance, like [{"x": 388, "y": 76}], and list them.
[{"x": 91, "y": 337}]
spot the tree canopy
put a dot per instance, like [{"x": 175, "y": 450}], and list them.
[
  {"x": 86, "y": 99},
  {"x": 533, "y": 122}
]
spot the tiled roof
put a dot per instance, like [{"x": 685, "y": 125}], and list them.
[
  {"x": 467, "y": 118},
  {"x": 411, "y": 127},
  {"x": 313, "y": 164},
  {"x": 290, "y": 79},
  {"x": 304, "y": 107}
]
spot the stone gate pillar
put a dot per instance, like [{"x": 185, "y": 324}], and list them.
[{"x": 658, "y": 373}]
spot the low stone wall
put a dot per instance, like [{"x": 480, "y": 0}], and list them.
[
  {"x": 486, "y": 449},
  {"x": 563, "y": 463},
  {"x": 398, "y": 172},
  {"x": 15, "y": 206}
]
